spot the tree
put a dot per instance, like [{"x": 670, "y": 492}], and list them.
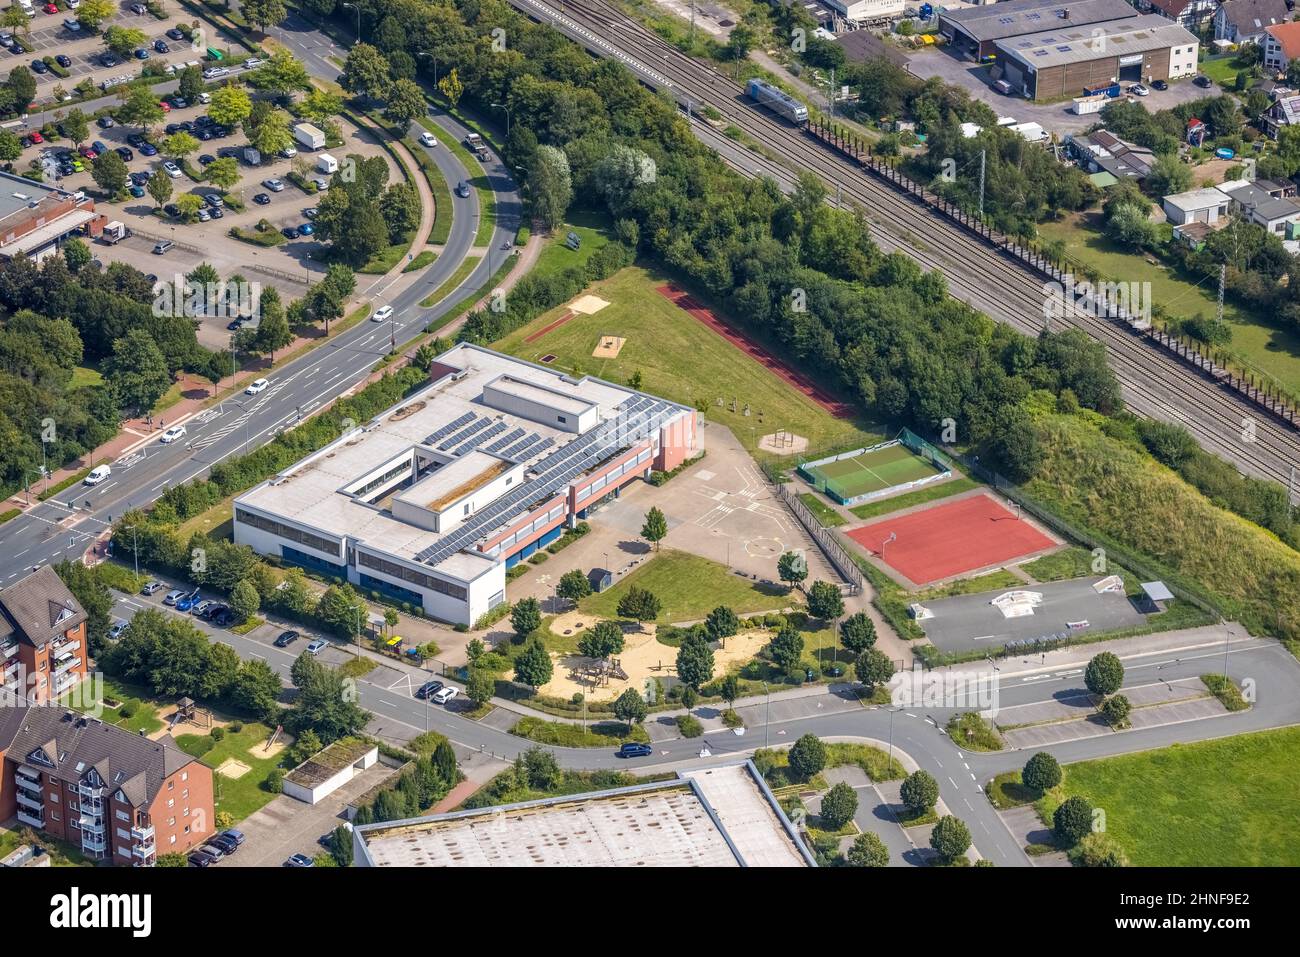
[
  {"x": 655, "y": 527},
  {"x": 15, "y": 18},
  {"x": 740, "y": 42},
  {"x": 480, "y": 687},
  {"x": 273, "y": 330},
  {"x": 1104, "y": 674},
  {"x": 77, "y": 255},
  {"x": 807, "y": 757},
  {"x": 858, "y": 632},
  {"x": 189, "y": 204},
  {"x": 533, "y": 665},
  {"x": 341, "y": 838},
  {"x": 919, "y": 792},
  {"x": 573, "y": 586},
  {"x": 244, "y": 600},
  {"x": 950, "y": 838},
  {"x": 1168, "y": 175},
  {"x": 230, "y": 105},
  {"x": 639, "y": 605},
  {"x": 838, "y": 807},
  {"x": 868, "y": 850},
  {"x": 873, "y": 668},
  {"x": 729, "y": 689},
  {"x": 223, "y": 173},
  {"x": 272, "y": 134},
  {"x": 124, "y": 40},
  {"x": 605, "y": 639},
  {"x": 452, "y": 87},
  {"x": 366, "y": 72},
  {"x": 256, "y": 689},
  {"x": 721, "y": 624},
  {"x": 159, "y": 188},
  {"x": 109, "y": 173},
  {"x": 137, "y": 370},
  {"x": 263, "y": 14},
  {"x": 10, "y": 146},
  {"x": 1116, "y": 711},
  {"x": 1072, "y": 820},
  {"x": 140, "y": 108},
  {"x": 404, "y": 102},
  {"x": 792, "y": 568},
  {"x": 694, "y": 662},
  {"x": 400, "y": 208},
  {"x": 92, "y": 13},
  {"x": 1042, "y": 772},
  {"x": 23, "y": 87},
  {"x": 630, "y": 707},
  {"x": 550, "y": 185},
  {"x": 825, "y": 601},
  {"x": 191, "y": 83},
  {"x": 786, "y": 648},
  {"x": 526, "y": 617},
  {"x": 180, "y": 145},
  {"x": 75, "y": 126}
]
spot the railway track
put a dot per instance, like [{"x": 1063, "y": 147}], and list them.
[{"x": 1154, "y": 383}]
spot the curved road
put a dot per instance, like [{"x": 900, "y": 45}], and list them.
[{"x": 63, "y": 527}]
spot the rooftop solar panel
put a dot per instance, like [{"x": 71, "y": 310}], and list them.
[
  {"x": 450, "y": 427},
  {"x": 480, "y": 438},
  {"x": 463, "y": 434},
  {"x": 507, "y": 439}
]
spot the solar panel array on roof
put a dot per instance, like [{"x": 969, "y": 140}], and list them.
[
  {"x": 513, "y": 436},
  {"x": 519, "y": 448},
  {"x": 497, "y": 428},
  {"x": 638, "y": 418},
  {"x": 450, "y": 427},
  {"x": 463, "y": 434}
]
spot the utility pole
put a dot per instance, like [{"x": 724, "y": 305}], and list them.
[
  {"x": 982, "y": 154},
  {"x": 1223, "y": 279},
  {"x": 831, "y": 91}
]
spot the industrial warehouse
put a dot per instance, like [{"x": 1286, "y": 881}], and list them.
[
  {"x": 431, "y": 501},
  {"x": 1054, "y": 50}
]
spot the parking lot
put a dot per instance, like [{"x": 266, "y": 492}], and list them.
[{"x": 1053, "y": 117}]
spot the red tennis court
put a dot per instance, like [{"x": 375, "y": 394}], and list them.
[{"x": 947, "y": 540}]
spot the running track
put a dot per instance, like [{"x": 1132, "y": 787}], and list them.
[{"x": 683, "y": 300}]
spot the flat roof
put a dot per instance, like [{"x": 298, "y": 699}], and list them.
[
  {"x": 716, "y": 817},
  {"x": 17, "y": 193},
  {"x": 455, "y": 480},
  {"x": 1013, "y": 18},
  {"x": 1080, "y": 43},
  {"x": 448, "y": 419},
  {"x": 1197, "y": 198},
  {"x": 329, "y": 762},
  {"x": 542, "y": 395}
]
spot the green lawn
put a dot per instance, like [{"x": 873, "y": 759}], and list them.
[
  {"x": 1225, "y": 803},
  {"x": 681, "y": 359},
  {"x": 240, "y": 796},
  {"x": 84, "y": 376},
  {"x": 453, "y": 282},
  {"x": 821, "y": 511},
  {"x": 603, "y": 734},
  {"x": 1265, "y": 347},
  {"x": 144, "y": 715},
  {"x": 556, "y": 257},
  {"x": 927, "y": 493},
  {"x": 690, "y": 587}
]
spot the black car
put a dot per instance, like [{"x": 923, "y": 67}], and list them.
[
  {"x": 63, "y": 61},
  {"x": 203, "y": 133},
  {"x": 1203, "y": 81},
  {"x": 262, "y": 199},
  {"x": 17, "y": 48},
  {"x": 108, "y": 60},
  {"x": 634, "y": 750},
  {"x": 286, "y": 639},
  {"x": 289, "y": 232},
  {"x": 1159, "y": 85},
  {"x": 126, "y": 154},
  {"x": 214, "y": 212},
  {"x": 213, "y": 610},
  {"x": 140, "y": 178},
  {"x": 234, "y": 324},
  {"x": 135, "y": 139},
  {"x": 428, "y": 689},
  {"x": 106, "y": 122},
  {"x": 207, "y": 159},
  {"x": 171, "y": 209},
  {"x": 224, "y": 619},
  {"x": 160, "y": 46},
  {"x": 226, "y": 845},
  {"x": 38, "y": 66},
  {"x": 201, "y": 858}
]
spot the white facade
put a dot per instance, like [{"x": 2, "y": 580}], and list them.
[
  {"x": 1196, "y": 206},
  {"x": 1182, "y": 60},
  {"x": 862, "y": 10}
]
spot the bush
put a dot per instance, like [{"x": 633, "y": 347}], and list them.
[
  {"x": 807, "y": 757},
  {"x": 689, "y": 726},
  {"x": 868, "y": 850},
  {"x": 919, "y": 791},
  {"x": 1116, "y": 711},
  {"x": 128, "y": 708},
  {"x": 1100, "y": 850},
  {"x": 950, "y": 838},
  {"x": 838, "y": 807},
  {"x": 1072, "y": 820},
  {"x": 275, "y": 781},
  {"x": 537, "y": 558},
  {"x": 1104, "y": 674},
  {"x": 236, "y": 727},
  {"x": 1042, "y": 772},
  {"x": 217, "y": 733}
]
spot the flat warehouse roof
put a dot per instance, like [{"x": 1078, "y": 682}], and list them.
[
  {"x": 1096, "y": 41},
  {"x": 1013, "y": 18},
  {"x": 717, "y": 817}
]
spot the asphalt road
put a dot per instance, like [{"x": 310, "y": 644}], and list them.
[
  {"x": 917, "y": 731},
  {"x": 64, "y": 526}
]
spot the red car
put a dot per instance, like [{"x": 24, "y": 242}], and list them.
[
  {"x": 87, "y": 152},
  {"x": 36, "y": 137},
  {"x": 51, "y": 8},
  {"x": 166, "y": 107}
]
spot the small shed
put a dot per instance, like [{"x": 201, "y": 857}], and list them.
[
  {"x": 600, "y": 578},
  {"x": 322, "y": 775},
  {"x": 1155, "y": 596}
]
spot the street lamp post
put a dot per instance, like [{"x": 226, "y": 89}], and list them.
[
  {"x": 435, "y": 64},
  {"x": 502, "y": 106},
  {"x": 767, "y": 717},
  {"x": 135, "y": 547},
  {"x": 353, "y": 6}
]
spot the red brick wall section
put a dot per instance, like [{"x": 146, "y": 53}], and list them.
[
  {"x": 169, "y": 822},
  {"x": 676, "y": 441},
  {"x": 8, "y": 803}
]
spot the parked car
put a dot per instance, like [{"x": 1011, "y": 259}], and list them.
[
  {"x": 203, "y": 214},
  {"x": 224, "y": 618},
  {"x": 108, "y": 60},
  {"x": 428, "y": 688},
  {"x": 38, "y": 66},
  {"x": 172, "y": 434},
  {"x": 106, "y": 122},
  {"x": 141, "y": 53},
  {"x": 306, "y": 229},
  {"x": 226, "y": 845},
  {"x": 317, "y": 646},
  {"x": 201, "y": 858},
  {"x": 126, "y": 153},
  {"x": 1203, "y": 81},
  {"x": 213, "y": 610},
  {"x": 286, "y": 639},
  {"x": 1137, "y": 89},
  {"x": 311, "y": 213},
  {"x": 202, "y": 607},
  {"x": 206, "y": 159},
  {"x": 171, "y": 169},
  {"x": 261, "y": 199},
  {"x": 161, "y": 46},
  {"x": 299, "y": 860},
  {"x": 119, "y": 626},
  {"x": 289, "y": 232},
  {"x": 71, "y": 25},
  {"x": 63, "y": 60},
  {"x": 174, "y": 34},
  {"x": 634, "y": 750},
  {"x": 256, "y": 386},
  {"x": 148, "y": 149},
  {"x": 151, "y": 587},
  {"x": 274, "y": 185},
  {"x": 188, "y": 601},
  {"x": 445, "y": 695},
  {"x": 139, "y": 9},
  {"x": 234, "y": 835},
  {"x": 97, "y": 475},
  {"x": 173, "y": 596}
]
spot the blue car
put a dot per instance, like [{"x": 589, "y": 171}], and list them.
[
  {"x": 137, "y": 191},
  {"x": 635, "y": 751},
  {"x": 148, "y": 149},
  {"x": 188, "y": 602},
  {"x": 306, "y": 229},
  {"x": 142, "y": 54}
]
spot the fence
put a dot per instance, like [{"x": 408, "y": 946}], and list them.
[
  {"x": 1254, "y": 389},
  {"x": 832, "y": 549}
]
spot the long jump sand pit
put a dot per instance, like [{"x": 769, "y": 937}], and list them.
[
  {"x": 588, "y": 305},
  {"x": 609, "y": 347},
  {"x": 233, "y": 769},
  {"x": 642, "y": 657}
]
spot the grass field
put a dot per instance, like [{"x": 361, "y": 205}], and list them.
[
  {"x": 557, "y": 257},
  {"x": 681, "y": 359},
  {"x": 690, "y": 587},
  {"x": 240, "y": 796},
  {"x": 930, "y": 493},
  {"x": 145, "y": 714},
  {"x": 821, "y": 511},
  {"x": 1225, "y": 803},
  {"x": 871, "y": 471},
  {"x": 1263, "y": 346}
]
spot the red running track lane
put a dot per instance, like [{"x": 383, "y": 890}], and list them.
[
  {"x": 548, "y": 327},
  {"x": 947, "y": 540},
  {"x": 684, "y": 301}
]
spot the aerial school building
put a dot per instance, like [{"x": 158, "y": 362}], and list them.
[{"x": 432, "y": 500}]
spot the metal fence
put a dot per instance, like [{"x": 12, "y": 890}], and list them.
[{"x": 832, "y": 549}]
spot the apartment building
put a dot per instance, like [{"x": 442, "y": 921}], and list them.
[
  {"x": 43, "y": 647},
  {"x": 116, "y": 796}
]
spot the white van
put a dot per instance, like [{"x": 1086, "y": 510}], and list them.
[{"x": 97, "y": 475}]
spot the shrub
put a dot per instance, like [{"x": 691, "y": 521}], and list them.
[
  {"x": 1042, "y": 772},
  {"x": 1098, "y": 849},
  {"x": 217, "y": 733},
  {"x": 950, "y": 838},
  {"x": 1116, "y": 711},
  {"x": 868, "y": 850},
  {"x": 1104, "y": 674},
  {"x": 920, "y": 792},
  {"x": 537, "y": 558},
  {"x": 838, "y": 806},
  {"x": 1072, "y": 820},
  {"x": 128, "y": 708},
  {"x": 807, "y": 757},
  {"x": 236, "y": 727},
  {"x": 689, "y": 726},
  {"x": 275, "y": 781}
]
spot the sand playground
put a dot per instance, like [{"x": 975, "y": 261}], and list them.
[
  {"x": 642, "y": 657},
  {"x": 609, "y": 347}
]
